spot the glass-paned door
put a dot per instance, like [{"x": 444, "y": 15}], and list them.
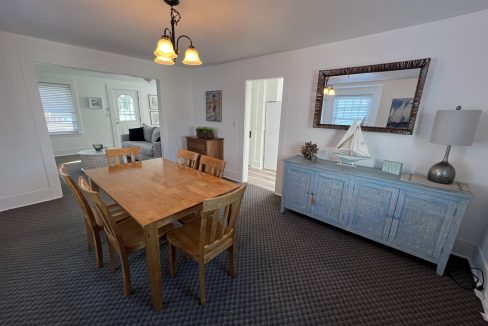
[{"x": 125, "y": 112}]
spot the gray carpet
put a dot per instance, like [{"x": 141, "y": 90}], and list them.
[{"x": 291, "y": 270}]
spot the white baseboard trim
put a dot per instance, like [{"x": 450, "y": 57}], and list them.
[
  {"x": 234, "y": 176},
  {"x": 465, "y": 249},
  {"x": 28, "y": 198}
]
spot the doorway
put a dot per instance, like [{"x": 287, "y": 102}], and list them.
[
  {"x": 124, "y": 108},
  {"x": 84, "y": 107},
  {"x": 262, "y": 131}
]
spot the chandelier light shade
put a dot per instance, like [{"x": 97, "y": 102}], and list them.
[
  {"x": 191, "y": 57},
  {"x": 328, "y": 90},
  {"x": 167, "y": 48},
  {"x": 164, "y": 61}
]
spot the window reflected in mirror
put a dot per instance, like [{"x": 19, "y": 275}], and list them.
[{"x": 381, "y": 97}]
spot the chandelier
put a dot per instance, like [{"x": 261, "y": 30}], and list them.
[
  {"x": 167, "y": 49},
  {"x": 328, "y": 90}
]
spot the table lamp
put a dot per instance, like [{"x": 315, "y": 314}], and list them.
[{"x": 451, "y": 127}]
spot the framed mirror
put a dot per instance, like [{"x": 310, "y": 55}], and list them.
[{"x": 384, "y": 97}]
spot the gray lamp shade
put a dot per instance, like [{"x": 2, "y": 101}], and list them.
[{"x": 455, "y": 127}]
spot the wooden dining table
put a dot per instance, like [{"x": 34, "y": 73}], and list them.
[{"x": 157, "y": 192}]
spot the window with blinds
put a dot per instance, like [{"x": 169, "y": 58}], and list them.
[
  {"x": 59, "y": 109},
  {"x": 350, "y": 108}
]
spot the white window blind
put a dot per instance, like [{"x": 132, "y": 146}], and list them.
[
  {"x": 59, "y": 110},
  {"x": 350, "y": 108}
]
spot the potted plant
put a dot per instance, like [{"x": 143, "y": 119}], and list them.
[{"x": 205, "y": 132}]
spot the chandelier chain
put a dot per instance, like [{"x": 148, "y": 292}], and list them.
[{"x": 175, "y": 15}]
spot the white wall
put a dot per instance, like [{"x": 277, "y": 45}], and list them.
[
  {"x": 458, "y": 76},
  {"x": 28, "y": 172},
  {"x": 96, "y": 124}
]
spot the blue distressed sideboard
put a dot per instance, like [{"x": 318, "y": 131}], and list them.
[{"x": 415, "y": 218}]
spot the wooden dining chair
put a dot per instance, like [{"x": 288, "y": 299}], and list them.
[
  {"x": 124, "y": 237},
  {"x": 93, "y": 224},
  {"x": 118, "y": 156},
  {"x": 205, "y": 238},
  {"x": 211, "y": 165},
  {"x": 188, "y": 158}
]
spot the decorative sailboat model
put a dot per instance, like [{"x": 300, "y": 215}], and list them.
[{"x": 352, "y": 147}]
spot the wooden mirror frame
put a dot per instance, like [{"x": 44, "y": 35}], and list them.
[{"x": 423, "y": 64}]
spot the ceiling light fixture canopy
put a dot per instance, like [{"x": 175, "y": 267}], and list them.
[{"x": 167, "y": 48}]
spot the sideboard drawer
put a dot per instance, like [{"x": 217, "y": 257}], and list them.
[
  {"x": 373, "y": 206},
  {"x": 329, "y": 197},
  {"x": 197, "y": 147},
  {"x": 210, "y": 147},
  {"x": 422, "y": 222},
  {"x": 296, "y": 191}
]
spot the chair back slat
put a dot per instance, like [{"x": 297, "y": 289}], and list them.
[
  {"x": 107, "y": 219},
  {"x": 80, "y": 198},
  {"x": 219, "y": 217},
  {"x": 119, "y": 156},
  {"x": 214, "y": 222},
  {"x": 212, "y": 166},
  {"x": 225, "y": 222},
  {"x": 188, "y": 158}
]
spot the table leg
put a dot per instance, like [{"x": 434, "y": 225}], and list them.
[{"x": 154, "y": 265}]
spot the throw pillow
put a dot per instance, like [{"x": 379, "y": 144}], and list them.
[
  {"x": 156, "y": 136},
  {"x": 136, "y": 134},
  {"x": 148, "y": 132}
]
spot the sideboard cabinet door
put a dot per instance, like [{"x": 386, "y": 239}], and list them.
[
  {"x": 422, "y": 222},
  {"x": 329, "y": 197},
  {"x": 373, "y": 206},
  {"x": 297, "y": 188}
]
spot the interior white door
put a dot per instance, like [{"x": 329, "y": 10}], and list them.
[
  {"x": 256, "y": 144},
  {"x": 125, "y": 112},
  {"x": 271, "y": 134}
]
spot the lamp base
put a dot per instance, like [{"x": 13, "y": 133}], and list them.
[{"x": 442, "y": 172}]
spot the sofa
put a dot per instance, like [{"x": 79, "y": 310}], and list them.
[{"x": 150, "y": 146}]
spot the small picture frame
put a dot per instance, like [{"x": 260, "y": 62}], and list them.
[
  {"x": 153, "y": 102},
  {"x": 95, "y": 103},
  {"x": 154, "y": 116},
  {"x": 392, "y": 167},
  {"x": 213, "y": 108}
]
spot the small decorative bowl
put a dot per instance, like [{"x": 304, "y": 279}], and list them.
[{"x": 98, "y": 147}]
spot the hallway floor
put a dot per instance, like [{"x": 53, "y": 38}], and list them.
[{"x": 262, "y": 178}]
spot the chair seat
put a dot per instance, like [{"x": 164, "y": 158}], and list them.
[
  {"x": 187, "y": 237},
  {"x": 118, "y": 212},
  {"x": 133, "y": 235}
]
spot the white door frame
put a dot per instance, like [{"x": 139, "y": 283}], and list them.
[
  {"x": 246, "y": 125},
  {"x": 113, "y": 107}
]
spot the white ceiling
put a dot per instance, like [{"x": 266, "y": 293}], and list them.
[{"x": 222, "y": 30}]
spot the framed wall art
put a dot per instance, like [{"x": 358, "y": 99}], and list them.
[
  {"x": 154, "y": 116},
  {"x": 153, "y": 102},
  {"x": 95, "y": 103},
  {"x": 213, "y": 107}
]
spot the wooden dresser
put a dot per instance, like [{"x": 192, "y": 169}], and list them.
[
  {"x": 210, "y": 147},
  {"x": 418, "y": 219}
]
